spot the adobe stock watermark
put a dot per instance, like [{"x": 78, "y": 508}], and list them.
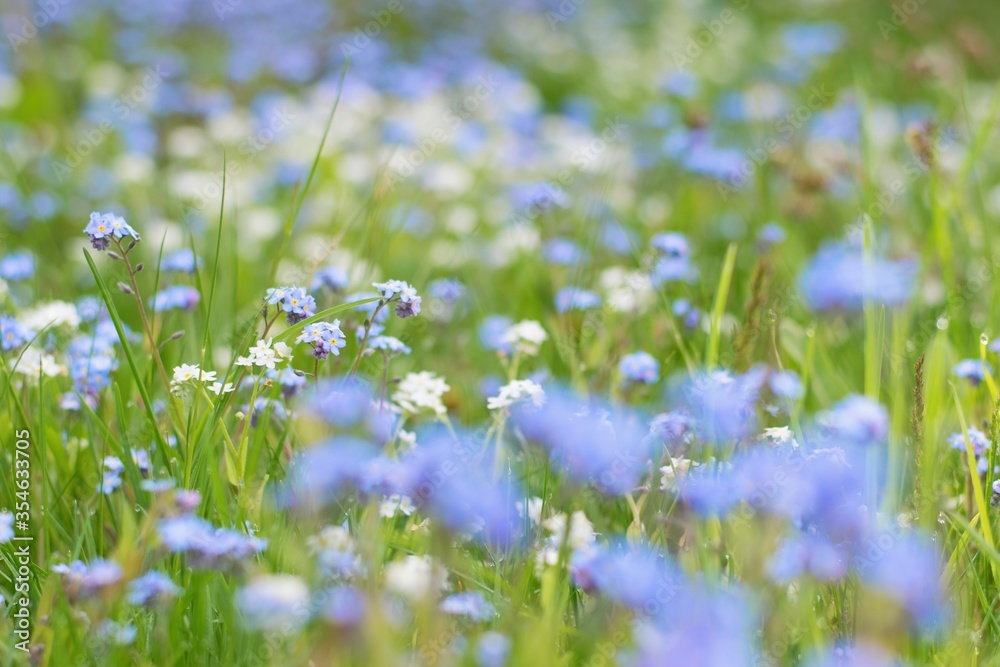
[
  {"x": 612, "y": 132},
  {"x": 250, "y": 147},
  {"x": 784, "y": 128},
  {"x": 363, "y": 35},
  {"x": 901, "y": 14},
  {"x": 406, "y": 163},
  {"x": 707, "y": 35},
  {"x": 122, "y": 107},
  {"x": 30, "y": 25}
]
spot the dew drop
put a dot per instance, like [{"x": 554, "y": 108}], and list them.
[{"x": 942, "y": 323}]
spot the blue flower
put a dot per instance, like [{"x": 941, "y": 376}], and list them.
[
  {"x": 470, "y": 603},
  {"x": 181, "y": 297},
  {"x": 576, "y": 298},
  {"x": 907, "y": 570},
  {"x": 973, "y": 370},
  {"x": 17, "y": 266},
  {"x": 332, "y": 278},
  {"x": 492, "y": 331},
  {"x": 103, "y": 227},
  {"x": 980, "y": 441},
  {"x": 640, "y": 367},
  {"x": 447, "y": 290},
  {"x": 671, "y": 244},
  {"x": 858, "y": 420},
  {"x": 403, "y": 294},
  {"x": 6, "y": 527},
  {"x": 151, "y": 588},
  {"x": 785, "y": 384},
  {"x": 13, "y": 334},
  {"x": 294, "y": 301},
  {"x": 325, "y": 338},
  {"x": 770, "y": 235},
  {"x": 389, "y": 345},
  {"x": 563, "y": 252},
  {"x": 205, "y": 545},
  {"x": 345, "y": 607},
  {"x": 182, "y": 261},
  {"x": 492, "y": 649},
  {"x": 840, "y": 277},
  {"x": 274, "y": 602},
  {"x": 812, "y": 554}
]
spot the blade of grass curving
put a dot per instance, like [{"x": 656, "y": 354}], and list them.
[
  {"x": 119, "y": 327},
  {"x": 321, "y": 315},
  {"x": 721, "y": 295},
  {"x": 301, "y": 195}
]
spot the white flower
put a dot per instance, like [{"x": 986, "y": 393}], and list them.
[
  {"x": 526, "y": 336},
  {"x": 396, "y": 503},
  {"x": 274, "y": 602},
  {"x": 415, "y": 577},
  {"x": 581, "y": 531},
  {"x": 34, "y": 362},
  {"x": 407, "y": 440},
  {"x": 218, "y": 388},
  {"x": 331, "y": 538},
  {"x": 627, "y": 291},
  {"x": 420, "y": 393},
  {"x": 779, "y": 435},
  {"x": 52, "y": 314},
  {"x": 186, "y": 373},
  {"x": 518, "y": 390},
  {"x": 264, "y": 355},
  {"x": 671, "y": 474},
  {"x": 533, "y": 510}
]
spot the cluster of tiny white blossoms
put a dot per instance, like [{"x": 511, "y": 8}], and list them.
[
  {"x": 416, "y": 577},
  {"x": 266, "y": 355},
  {"x": 516, "y": 391},
  {"x": 525, "y": 337},
  {"x": 394, "y": 504},
  {"x": 186, "y": 375},
  {"x": 420, "y": 393},
  {"x": 672, "y": 474},
  {"x": 580, "y": 537},
  {"x": 34, "y": 363}
]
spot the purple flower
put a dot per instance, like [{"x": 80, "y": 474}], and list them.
[
  {"x": 325, "y": 338},
  {"x": 858, "y": 420}
]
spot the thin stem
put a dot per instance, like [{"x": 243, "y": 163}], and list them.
[
  {"x": 142, "y": 315},
  {"x": 364, "y": 341}
]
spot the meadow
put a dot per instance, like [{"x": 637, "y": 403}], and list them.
[{"x": 539, "y": 333}]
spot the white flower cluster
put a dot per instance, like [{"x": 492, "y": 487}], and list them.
[
  {"x": 394, "y": 504},
  {"x": 33, "y": 363},
  {"x": 525, "y": 337},
  {"x": 420, "y": 393},
  {"x": 580, "y": 537},
  {"x": 415, "y": 577},
  {"x": 515, "y": 391},
  {"x": 187, "y": 375},
  {"x": 675, "y": 472},
  {"x": 264, "y": 355}
]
